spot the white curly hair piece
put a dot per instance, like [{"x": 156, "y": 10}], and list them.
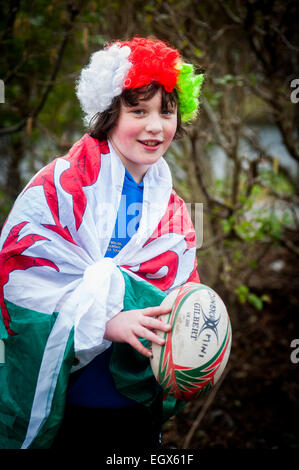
[{"x": 102, "y": 79}]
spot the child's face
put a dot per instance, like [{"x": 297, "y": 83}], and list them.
[{"x": 142, "y": 134}]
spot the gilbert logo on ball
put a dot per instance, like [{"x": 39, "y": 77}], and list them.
[{"x": 197, "y": 349}]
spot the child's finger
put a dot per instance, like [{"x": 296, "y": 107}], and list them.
[
  {"x": 142, "y": 332},
  {"x": 139, "y": 347},
  {"x": 154, "y": 311},
  {"x": 152, "y": 323}
]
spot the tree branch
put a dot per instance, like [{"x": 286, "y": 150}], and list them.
[
  {"x": 220, "y": 137},
  {"x": 74, "y": 10},
  {"x": 14, "y": 6},
  {"x": 290, "y": 246},
  {"x": 203, "y": 411},
  {"x": 198, "y": 172},
  {"x": 251, "y": 137},
  {"x": 215, "y": 240}
]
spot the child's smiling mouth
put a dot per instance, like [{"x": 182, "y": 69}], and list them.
[{"x": 152, "y": 143}]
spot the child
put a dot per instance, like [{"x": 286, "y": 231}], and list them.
[{"x": 92, "y": 246}]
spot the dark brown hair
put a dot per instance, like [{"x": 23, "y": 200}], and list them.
[{"x": 102, "y": 123}]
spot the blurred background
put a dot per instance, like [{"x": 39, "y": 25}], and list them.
[{"x": 240, "y": 159}]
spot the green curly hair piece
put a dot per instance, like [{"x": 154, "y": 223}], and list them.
[{"x": 188, "y": 88}]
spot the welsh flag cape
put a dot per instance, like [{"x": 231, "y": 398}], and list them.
[{"x": 57, "y": 290}]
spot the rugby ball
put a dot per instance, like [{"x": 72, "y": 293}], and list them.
[{"x": 197, "y": 348}]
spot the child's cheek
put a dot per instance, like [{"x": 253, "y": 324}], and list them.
[
  {"x": 129, "y": 133},
  {"x": 134, "y": 130},
  {"x": 171, "y": 133}
]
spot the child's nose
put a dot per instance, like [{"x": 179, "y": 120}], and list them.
[{"x": 154, "y": 125}]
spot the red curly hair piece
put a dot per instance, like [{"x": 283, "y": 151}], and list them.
[{"x": 153, "y": 61}]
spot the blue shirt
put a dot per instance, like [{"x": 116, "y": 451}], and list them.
[
  {"x": 93, "y": 385},
  {"x": 128, "y": 215}
]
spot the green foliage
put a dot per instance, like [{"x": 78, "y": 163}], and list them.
[
  {"x": 245, "y": 295},
  {"x": 213, "y": 97},
  {"x": 228, "y": 79},
  {"x": 263, "y": 224},
  {"x": 258, "y": 217},
  {"x": 228, "y": 224},
  {"x": 222, "y": 189},
  {"x": 277, "y": 182},
  {"x": 5, "y": 205}
]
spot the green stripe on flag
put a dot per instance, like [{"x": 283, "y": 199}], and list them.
[
  {"x": 19, "y": 373},
  {"x": 47, "y": 433}
]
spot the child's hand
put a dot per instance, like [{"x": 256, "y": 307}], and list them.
[{"x": 128, "y": 326}]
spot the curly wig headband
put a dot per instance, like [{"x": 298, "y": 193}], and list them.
[{"x": 133, "y": 64}]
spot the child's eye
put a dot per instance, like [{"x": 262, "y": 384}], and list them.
[
  {"x": 138, "y": 112},
  {"x": 168, "y": 112}
]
